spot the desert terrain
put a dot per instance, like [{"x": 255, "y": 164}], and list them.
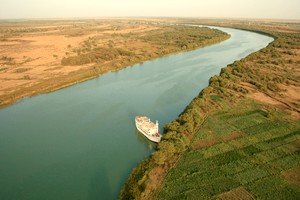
[
  {"x": 44, "y": 55},
  {"x": 31, "y": 53}
]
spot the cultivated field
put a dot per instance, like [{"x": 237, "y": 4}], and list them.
[{"x": 249, "y": 149}]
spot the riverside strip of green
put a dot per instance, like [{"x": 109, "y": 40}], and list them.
[{"x": 239, "y": 137}]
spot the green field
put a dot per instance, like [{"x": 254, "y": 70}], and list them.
[{"x": 255, "y": 159}]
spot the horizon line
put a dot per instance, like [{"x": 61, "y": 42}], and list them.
[{"x": 147, "y": 17}]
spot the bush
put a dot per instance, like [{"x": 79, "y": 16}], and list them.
[{"x": 95, "y": 55}]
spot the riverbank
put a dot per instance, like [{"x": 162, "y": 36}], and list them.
[
  {"x": 54, "y": 136},
  {"x": 239, "y": 136},
  {"x": 41, "y": 57}
]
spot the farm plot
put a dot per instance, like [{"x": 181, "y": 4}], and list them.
[{"x": 238, "y": 150}]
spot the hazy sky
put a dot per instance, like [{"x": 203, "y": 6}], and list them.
[{"x": 280, "y": 9}]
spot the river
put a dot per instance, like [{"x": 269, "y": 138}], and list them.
[{"x": 81, "y": 143}]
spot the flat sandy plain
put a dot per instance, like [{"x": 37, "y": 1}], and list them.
[
  {"x": 31, "y": 51},
  {"x": 44, "y": 55}
]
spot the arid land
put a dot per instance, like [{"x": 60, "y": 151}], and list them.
[{"x": 46, "y": 55}]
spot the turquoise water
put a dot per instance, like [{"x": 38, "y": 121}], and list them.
[{"x": 81, "y": 143}]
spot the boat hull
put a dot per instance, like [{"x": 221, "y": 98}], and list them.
[
  {"x": 148, "y": 128},
  {"x": 153, "y": 139}
]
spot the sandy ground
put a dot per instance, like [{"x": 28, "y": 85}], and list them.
[
  {"x": 34, "y": 58},
  {"x": 36, "y": 55}
]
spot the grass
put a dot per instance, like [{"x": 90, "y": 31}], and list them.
[
  {"x": 223, "y": 167},
  {"x": 273, "y": 187}
]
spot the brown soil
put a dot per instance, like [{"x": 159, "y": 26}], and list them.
[
  {"x": 287, "y": 98},
  {"x": 34, "y": 53},
  {"x": 205, "y": 143},
  {"x": 231, "y": 136},
  {"x": 259, "y": 96},
  {"x": 293, "y": 176},
  {"x": 237, "y": 194}
]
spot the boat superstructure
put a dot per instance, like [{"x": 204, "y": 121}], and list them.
[{"x": 148, "y": 128}]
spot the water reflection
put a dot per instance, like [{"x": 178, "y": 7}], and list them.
[
  {"x": 142, "y": 139},
  {"x": 100, "y": 185}
]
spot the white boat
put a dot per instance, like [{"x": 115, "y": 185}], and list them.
[{"x": 148, "y": 128}]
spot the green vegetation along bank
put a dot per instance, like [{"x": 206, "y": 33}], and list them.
[
  {"x": 240, "y": 138},
  {"x": 164, "y": 41}
]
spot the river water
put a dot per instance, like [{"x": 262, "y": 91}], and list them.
[{"x": 81, "y": 143}]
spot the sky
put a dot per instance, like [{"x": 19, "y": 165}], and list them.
[{"x": 269, "y": 9}]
